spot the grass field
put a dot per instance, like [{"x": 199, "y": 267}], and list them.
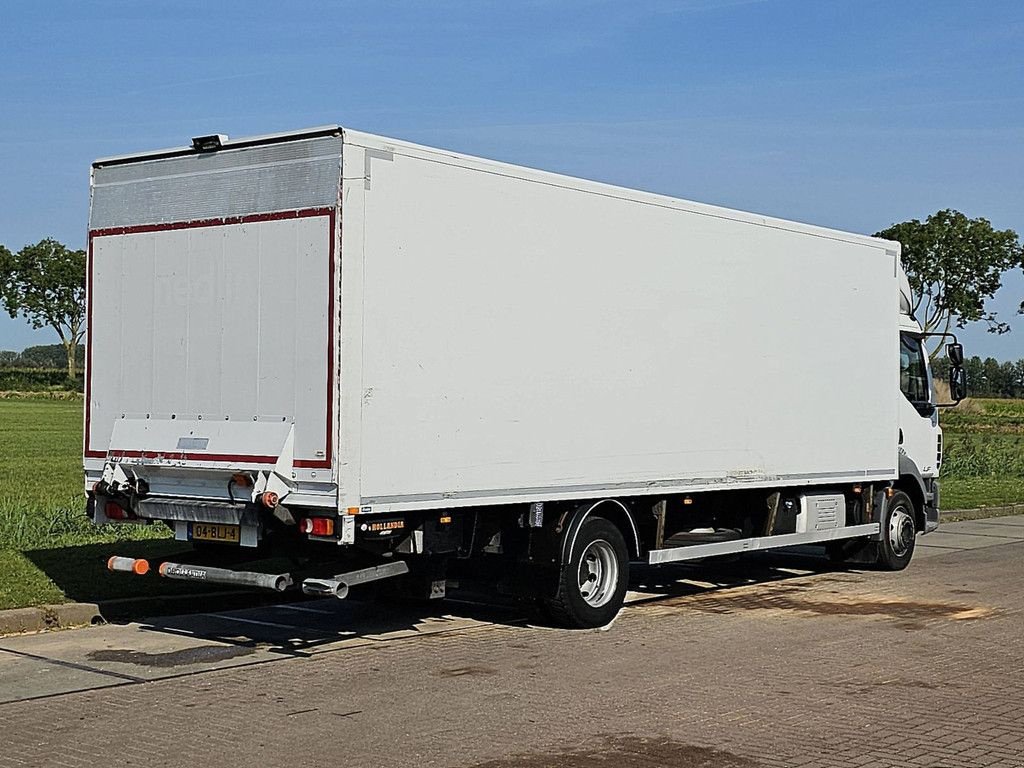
[
  {"x": 41, "y": 489},
  {"x": 50, "y": 552},
  {"x": 984, "y": 453}
]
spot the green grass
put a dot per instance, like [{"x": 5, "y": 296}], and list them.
[
  {"x": 49, "y": 550},
  {"x": 42, "y": 498},
  {"x": 983, "y": 451},
  {"x": 985, "y": 417},
  {"x": 973, "y": 492}
]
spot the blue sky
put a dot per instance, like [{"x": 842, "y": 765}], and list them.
[{"x": 851, "y": 114}]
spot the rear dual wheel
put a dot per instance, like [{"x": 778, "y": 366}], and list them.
[{"x": 593, "y": 579}]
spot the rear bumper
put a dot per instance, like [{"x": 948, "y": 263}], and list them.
[
  {"x": 180, "y": 514},
  {"x": 186, "y": 510}
]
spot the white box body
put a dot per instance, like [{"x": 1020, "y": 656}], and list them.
[{"x": 437, "y": 330}]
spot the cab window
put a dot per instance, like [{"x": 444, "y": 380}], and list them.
[{"x": 913, "y": 370}]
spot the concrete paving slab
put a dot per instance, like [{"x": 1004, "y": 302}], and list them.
[
  {"x": 297, "y": 636},
  {"x": 134, "y": 651},
  {"x": 1014, "y": 521},
  {"x": 172, "y": 646},
  {"x": 971, "y": 534},
  {"x": 981, "y": 528},
  {"x": 330, "y": 625},
  {"x": 27, "y": 676},
  {"x": 956, "y": 540},
  {"x": 926, "y": 550}
]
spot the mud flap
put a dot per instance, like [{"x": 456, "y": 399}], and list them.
[{"x": 857, "y": 551}]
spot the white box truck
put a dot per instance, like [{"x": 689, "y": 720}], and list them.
[{"x": 328, "y": 339}]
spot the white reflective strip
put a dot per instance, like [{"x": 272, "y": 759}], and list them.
[
  {"x": 250, "y": 621},
  {"x": 303, "y": 609}
]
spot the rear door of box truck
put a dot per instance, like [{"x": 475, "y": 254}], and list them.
[{"x": 211, "y": 305}]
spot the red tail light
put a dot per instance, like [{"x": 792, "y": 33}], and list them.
[
  {"x": 115, "y": 511},
  {"x": 317, "y": 526}
]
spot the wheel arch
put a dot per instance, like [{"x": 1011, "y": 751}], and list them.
[
  {"x": 612, "y": 510},
  {"x": 912, "y": 484}
]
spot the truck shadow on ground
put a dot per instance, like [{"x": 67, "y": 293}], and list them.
[
  {"x": 653, "y": 583},
  {"x": 289, "y": 623},
  {"x": 80, "y": 572},
  {"x": 302, "y": 627}
]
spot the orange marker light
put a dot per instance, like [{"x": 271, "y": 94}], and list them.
[
  {"x": 353, "y": 510},
  {"x": 445, "y": 519},
  {"x": 138, "y": 566}
]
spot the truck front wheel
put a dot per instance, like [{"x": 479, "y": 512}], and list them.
[
  {"x": 899, "y": 534},
  {"x": 593, "y": 579}
]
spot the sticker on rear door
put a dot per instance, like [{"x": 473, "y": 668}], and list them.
[{"x": 193, "y": 443}]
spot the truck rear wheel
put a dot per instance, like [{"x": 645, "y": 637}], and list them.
[
  {"x": 899, "y": 534},
  {"x": 593, "y": 579}
]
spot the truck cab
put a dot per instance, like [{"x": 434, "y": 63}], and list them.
[{"x": 920, "y": 436}]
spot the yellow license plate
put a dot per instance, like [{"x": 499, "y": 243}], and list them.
[{"x": 226, "y": 534}]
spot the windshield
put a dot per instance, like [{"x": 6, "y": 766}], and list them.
[{"x": 913, "y": 370}]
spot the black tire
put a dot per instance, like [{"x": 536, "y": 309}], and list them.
[
  {"x": 585, "y": 600},
  {"x": 899, "y": 533}
]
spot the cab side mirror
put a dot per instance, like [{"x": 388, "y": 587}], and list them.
[
  {"x": 955, "y": 353},
  {"x": 957, "y": 383}
]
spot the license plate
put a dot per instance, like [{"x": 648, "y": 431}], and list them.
[{"x": 226, "y": 534}]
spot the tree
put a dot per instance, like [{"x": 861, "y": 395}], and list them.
[
  {"x": 976, "y": 381},
  {"x": 993, "y": 373},
  {"x": 955, "y": 265},
  {"x": 45, "y": 283},
  {"x": 49, "y": 356}
]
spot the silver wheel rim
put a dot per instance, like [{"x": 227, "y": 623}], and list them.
[
  {"x": 901, "y": 531},
  {"x": 598, "y": 573}
]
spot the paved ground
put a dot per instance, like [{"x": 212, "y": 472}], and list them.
[{"x": 773, "y": 661}]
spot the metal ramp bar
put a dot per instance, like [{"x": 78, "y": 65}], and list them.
[
  {"x": 338, "y": 586},
  {"x": 333, "y": 586},
  {"x": 278, "y": 582}
]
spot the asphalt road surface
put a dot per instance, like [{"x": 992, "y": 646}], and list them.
[{"x": 776, "y": 660}]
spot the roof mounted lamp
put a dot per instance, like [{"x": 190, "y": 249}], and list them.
[{"x": 210, "y": 143}]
